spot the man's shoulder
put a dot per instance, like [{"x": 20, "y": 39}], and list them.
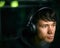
[{"x": 12, "y": 43}]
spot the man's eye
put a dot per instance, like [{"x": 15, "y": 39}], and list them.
[
  {"x": 44, "y": 26},
  {"x": 54, "y": 25}
]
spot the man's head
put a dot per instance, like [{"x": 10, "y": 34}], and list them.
[{"x": 45, "y": 22}]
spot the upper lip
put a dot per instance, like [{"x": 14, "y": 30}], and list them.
[{"x": 50, "y": 36}]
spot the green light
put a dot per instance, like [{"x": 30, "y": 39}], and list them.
[
  {"x": 14, "y": 4},
  {"x": 2, "y": 3}
]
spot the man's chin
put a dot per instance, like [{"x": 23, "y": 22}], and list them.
[{"x": 49, "y": 41}]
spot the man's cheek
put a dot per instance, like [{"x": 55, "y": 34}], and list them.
[{"x": 42, "y": 36}]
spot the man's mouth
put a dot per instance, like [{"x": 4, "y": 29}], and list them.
[{"x": 50, "y": 37}]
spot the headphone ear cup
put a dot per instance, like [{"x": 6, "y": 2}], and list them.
[{"x": 33, "y": 27}]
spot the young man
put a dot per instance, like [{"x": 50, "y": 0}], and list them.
[
  {"x": 39, "y": 32},
  {"x": 40, "y": 29}
]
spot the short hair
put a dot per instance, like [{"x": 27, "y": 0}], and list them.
[{"x": 47, "y": 14}]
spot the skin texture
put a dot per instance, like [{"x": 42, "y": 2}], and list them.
[{"x": 46, "y": 30}]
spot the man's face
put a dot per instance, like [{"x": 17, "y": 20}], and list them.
[{"x": 46, "y": 30}]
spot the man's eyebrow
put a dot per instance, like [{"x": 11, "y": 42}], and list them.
[
  {"x": 43, "y": 24},
  {"x": 54, "y": 22}
]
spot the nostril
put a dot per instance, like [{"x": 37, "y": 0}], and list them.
[{"x": 49, "y": 32}]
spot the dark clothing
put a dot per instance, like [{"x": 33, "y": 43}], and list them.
[{"x": 24, "y": 41}]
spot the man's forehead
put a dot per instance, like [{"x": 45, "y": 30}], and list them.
[{"x": 46, "y": 22}]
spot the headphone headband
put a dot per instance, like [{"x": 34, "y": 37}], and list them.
[{"x": 36, "y": 12}]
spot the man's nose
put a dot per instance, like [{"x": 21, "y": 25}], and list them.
[{"x": 50, "y": 29}]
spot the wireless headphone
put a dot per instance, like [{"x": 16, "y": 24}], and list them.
[{"x": 30, "y": 24}]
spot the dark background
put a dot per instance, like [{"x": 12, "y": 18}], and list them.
[{"x": 13, "y": 20}]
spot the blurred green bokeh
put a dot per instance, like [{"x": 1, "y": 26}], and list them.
[
  {"x": 14, "y": 4},
  {"x": 2, "y": 3}
]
